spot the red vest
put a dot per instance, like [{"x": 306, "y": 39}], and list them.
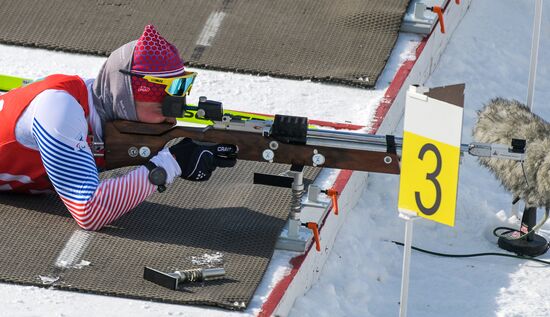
[{"x": 21, "y": 168}]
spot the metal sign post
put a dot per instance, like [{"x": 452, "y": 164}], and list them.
[
  {"x": 409, "y": 218},
  {"x": 534, "y": 53},
  {"x": 537, "y": 19}
]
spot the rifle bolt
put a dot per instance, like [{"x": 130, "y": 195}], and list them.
[
  {"x": 144, "y": 152},
  {"x": 268, "y": 155},
  {"x": 273, "y": 145},
  {"x": 318, "y": 159},
  {"x": 201, "y": 113},
  {"x": 133, "y": 151}
]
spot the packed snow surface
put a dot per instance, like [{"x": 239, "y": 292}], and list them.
[{"x": 489, "y": 52}]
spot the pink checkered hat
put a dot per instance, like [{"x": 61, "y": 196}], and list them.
[{"x": 155, "y": 56}]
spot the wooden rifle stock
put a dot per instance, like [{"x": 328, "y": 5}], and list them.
[{"x": 130, "y": 143}]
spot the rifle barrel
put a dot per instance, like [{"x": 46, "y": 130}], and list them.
[
  {"x": 350, "y": 140},
  {"x": 370, "y": 142}
]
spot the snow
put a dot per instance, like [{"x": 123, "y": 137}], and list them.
[
  {"x": 208, "y": 260},
  {"x": 489, "y": 52},
  {"x": 263, "y": 94}
]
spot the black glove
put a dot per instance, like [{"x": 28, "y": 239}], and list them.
[{"x": 197, "y": 161}]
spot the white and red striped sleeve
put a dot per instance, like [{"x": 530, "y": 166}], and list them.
[{"x": 60, "y": 129}]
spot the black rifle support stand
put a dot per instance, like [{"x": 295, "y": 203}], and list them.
[
  {"x": 530, "y": 244},
  {"x": 292, "y": 239}
]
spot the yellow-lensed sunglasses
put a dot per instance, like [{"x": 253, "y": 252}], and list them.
[{"x": 175, "y": 86}]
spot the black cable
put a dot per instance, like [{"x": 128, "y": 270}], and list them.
[
  {"x": 508, "y": 230},
  {"x": 475, "y": 254},
  {"x": 506, "y": 235}
]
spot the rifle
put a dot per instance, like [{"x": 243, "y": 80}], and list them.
[{"x": 285, "y": 139}]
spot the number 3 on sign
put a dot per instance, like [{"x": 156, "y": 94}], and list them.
[
  {"x": 431, "y": 177},
  {"x": 430, "y": 157}
]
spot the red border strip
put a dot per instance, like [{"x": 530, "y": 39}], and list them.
[
  {"x": 398, "y": 80},
  {"x": 343, "y": 177},
  {"x": 395, "y": 86},
  {"x": 279, "y": 290}
]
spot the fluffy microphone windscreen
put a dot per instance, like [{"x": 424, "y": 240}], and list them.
[{"x": 502, "y": 120}]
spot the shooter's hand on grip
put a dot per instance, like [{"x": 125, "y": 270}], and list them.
[{"x": 198, "y": 161}]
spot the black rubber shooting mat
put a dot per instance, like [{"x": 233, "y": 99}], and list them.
[
  {"x": 347, "y": 41},
  {"x": 228, "y": 218}
]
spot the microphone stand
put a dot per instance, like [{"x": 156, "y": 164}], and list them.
[{"x": 525, "y": 241}]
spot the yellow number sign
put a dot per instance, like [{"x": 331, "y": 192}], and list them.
[{"x": 430, "y": 157}]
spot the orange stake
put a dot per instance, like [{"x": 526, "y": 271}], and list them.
[
  {"x": 439, "y": 11},
  {"x": 313, "y": 227}
]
